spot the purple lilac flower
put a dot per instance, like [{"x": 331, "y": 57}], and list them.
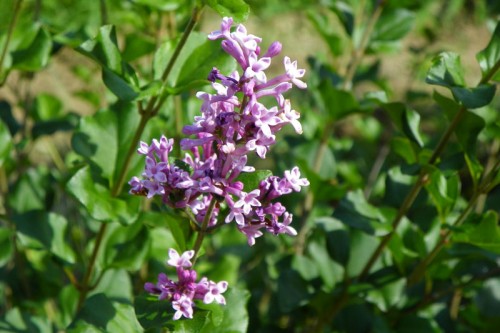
[
  {"x": 233, "y": 124},
  {"x": 183, "y": 292}
]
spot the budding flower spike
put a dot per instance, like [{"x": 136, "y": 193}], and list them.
[{"x": 233, "y": 124}]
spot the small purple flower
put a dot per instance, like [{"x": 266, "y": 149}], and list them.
[
  {"x": 293, "y": 178},
  {"x": 180, "y": 261},
  {"x": 183, "y": 307},
  {"x": 247, "y": 201},
  {"x": 214, "y": 292}
]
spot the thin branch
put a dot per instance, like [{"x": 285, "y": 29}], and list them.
[{"x": 17, "y": 10}]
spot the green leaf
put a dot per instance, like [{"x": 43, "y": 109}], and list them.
[
  {"x": 196, "y": 60},
  {"x": 100, "y": 314},
  {"x": 337, "y": 103},
  {"x": 392, "y": 26},
  {"x": 485, "y": 235},
  {"x": 104, "y": 139},
  {"x": 293, "y": 291},
  {"x": 345, "y": 14},
  {"x": 166, "y": 5},
  {"x": 8, "y": 118},
  {"x": 126, "y": 246},
  {"x": 16, "y": 320},
  {"x": 47, "y": 107},
  {"x": 473, "y": 98},
  {"x": 446, "y": 71},
  {"x": 444, "y": 191},
  {"x": 251, "y": 180},
  {"x": 337, "y": 238},
  {"x": 35, "y": 56},
  {"x": 31, "y": 191},
  {"x": 406, "y": 120},
  {"x": 118, "y": 76},
  {"x": 98, "y": 201},
  {"x": 489, "y": 58},
  {"x": 330, "y": 271},
  {"x": 356, "y": 212},
  {"x": 237, "y": 9},
  {"x": 6, "y": 144},
  {"x": 41, "y": 230},
  {"x": 321, "y": 24},
  {"x": 6, "y": 245}
]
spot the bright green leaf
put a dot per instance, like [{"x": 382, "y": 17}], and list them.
[
  {"x": 251, "y": 180},
  {"x": 485, "y": 235},
  {"x": 406, "y": 120},
  {"x": 390, "y": 28},
  {"x": 6, "y": 144},
  {"x": 36, "y": 55},
  {"x": 237, "y": 9},
  {"x": 446, "y": 71}
]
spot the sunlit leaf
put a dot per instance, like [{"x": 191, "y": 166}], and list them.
[
  {"x": 490, "y": 57},
  {"x": 238, "y": 9}
]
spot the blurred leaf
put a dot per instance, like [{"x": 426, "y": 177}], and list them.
[
  {"x": 251, "y": 180},
  {"x": 446, "y": 71},
  {"x": 488, "y": 297},
  {"x": 100, "y": 314},
  {"x": 337, "y": 103},
  {"x": 166, "y": 5},
  {"x": 126, "y": 246},
  {"x": 137, "y": 45},
  {"x": 330, "y": 271},
  {"x": 362, "y": 246},
  {"x": 36, "y": 55},
  {"x": 337, "y": 238},
  {"x": 345, "y": 14},
  {"x": 357, "y": 213},
  {"x": 404, "y": 148},
  {"x": 237, "y": 9},
  {"x": 388, "y": 294},
  {"x": 41, "y": 230},
  {"x": 6, "y": 245},
  {"x": 8, "y": 118},
  {"x": 16, "y": 320},
  {"x": 31, "y": 191},
  {"x": 321, "y": 24},
  {"x": 392, "y": 26},
  {"x": 444, "y": 191},
  {"x": 473, "y": 98},
  {"x": 305, "y": 267},
  {"x": 485, "y": 235},
  {"x": 118, "y": 76},
  {"x": 406, "y": 120},
  {"x": 66, "y": 123},
  {"x": 489, "y": 58},
  {"x": 292, "y": 291},
  {"x": 98, "y": 201},
  {"x": 115, "y": 284},
  {"x": 47, "y": 107},
  {"x": 6, "y": 144}
]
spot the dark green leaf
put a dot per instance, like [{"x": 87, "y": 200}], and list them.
[
  {"x": 489, "y": 58},
  {"x": 330, "y": 271},
  {"x": 41, "y": 230},
  {"x": 237, "y": 9},
  {"x": 337, "y": 103},
  {"x": 345, "y": 14},
  {"x": 444, "y": 191},
  {"x": 103, "y": 315},
  {"x": 8, "y": 118},
  {"x": 406, "y": 120},
  {"x": 137, "y": 45},
  {"x": 356, "y": 212},
  {"x": 446, "y": 71},
  {"x": 293, "y": 291},
  {"x": 6, "y": 245},
  {"x": 322, "y": 25},
  {"x": 473, "y": 98},
  {"x": 36, "y": 55},
  {"x": 126, "y": 246},
  {"x": 98, "y": 201}
]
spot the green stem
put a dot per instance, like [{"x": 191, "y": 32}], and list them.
[
  {"x": 104, "y": 12},
  {"x": 17, "y": 10},
  {"x": 203, "y": 229}
]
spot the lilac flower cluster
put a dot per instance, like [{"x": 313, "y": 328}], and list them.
[
  {"x": 233, "y": 123},
  {"x": 183, "y": 292}
]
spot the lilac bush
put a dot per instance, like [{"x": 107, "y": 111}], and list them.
[{"x": 234, "y": 123}]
